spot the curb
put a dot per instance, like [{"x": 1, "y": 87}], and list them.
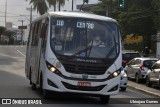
[{"x": 144, "y": 91}]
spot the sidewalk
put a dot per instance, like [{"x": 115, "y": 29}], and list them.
[{"x": 147, "y": 90}]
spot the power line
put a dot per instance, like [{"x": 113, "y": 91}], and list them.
[
  {"x": 5, "y": 13},
  {"x": 11, "y": 16},
  {"x": 18, "y": 14},
  {"x": 10, "y": 13},
  {"x": 14, "y": 5}
]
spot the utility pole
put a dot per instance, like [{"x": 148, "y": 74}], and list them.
[
  {"x": 107, "y": 12},
  {"x": 110, "y": 15},
  {"x": 109, "y": 8},
  {"x": 159, "y": 16},
  {"x": 30, "y": 9},
  {"x": 22, "y": 30},
  {"x": 59, "y": 6},
  {"x": 5, "y": 13},
  {"x": 72, "y": 5}
]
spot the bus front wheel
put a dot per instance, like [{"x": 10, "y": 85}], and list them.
[
  {"x": 104, "y": 99},
  {"x": 33, "y": 85},
  {"x": 45, "y": 94}
]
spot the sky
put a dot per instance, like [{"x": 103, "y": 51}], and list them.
[{"x": 16, "y": 10}]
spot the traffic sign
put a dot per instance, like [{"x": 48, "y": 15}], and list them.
[{"x": 22, "y": 27}]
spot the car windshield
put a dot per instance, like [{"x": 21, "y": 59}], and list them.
[
  {"x": 84, "y": 38},
  {"x": 149, "y": 63},
  {"x": 130, "y": 56}
]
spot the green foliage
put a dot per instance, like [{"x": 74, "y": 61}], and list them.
[
  {"x": 2, "y": 29},
  {"x": 42, "y": 6},
  {"x": 8, "y": 33},
  {"x": 137, "y": 16}
]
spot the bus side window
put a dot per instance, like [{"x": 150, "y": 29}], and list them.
[
  {"x": 44, "y": 35},
  {"x": 29, "y": 36},
  {"x": 36, "y": 34},
  {"x": 33, "y": 37}
]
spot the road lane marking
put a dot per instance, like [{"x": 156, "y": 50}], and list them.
[{"x": 21, "y": 53}]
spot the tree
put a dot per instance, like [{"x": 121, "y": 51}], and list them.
[
  {"x": 137, "y": 16},
  {"x": 105, "y": 7},
  {"x": 42, "y": 6},
  {"x": 2, "y": 29},
  {"x": 139, "y": 19},
  {"x": 10, "y": 35}
]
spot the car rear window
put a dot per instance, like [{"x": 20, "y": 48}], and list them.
[
  {"x": 149, "y": 63},
  {"x": 130, "y": 56},
  {"x": 156, "y": 66}
]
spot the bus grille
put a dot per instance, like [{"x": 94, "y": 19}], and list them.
[
  {"x": 83, "y": 88},
  {"x": 85, "y": 69}
]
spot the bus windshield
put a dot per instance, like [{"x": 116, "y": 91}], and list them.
[{"x": 84, "y": 37}]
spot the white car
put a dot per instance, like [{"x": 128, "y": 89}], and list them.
[
  {"x": 137, "y": 68},
  {"x": 124, "y": 80}
]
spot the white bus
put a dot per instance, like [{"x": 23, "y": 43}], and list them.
[{"x": 74, "y": 52}]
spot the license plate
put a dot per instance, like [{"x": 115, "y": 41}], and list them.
[{"x": 84, "y": 84}]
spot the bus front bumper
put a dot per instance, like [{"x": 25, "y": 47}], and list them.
[{"x": 52, "y": 82}]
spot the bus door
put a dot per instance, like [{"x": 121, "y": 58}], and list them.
[
  {"x": 35, "y": 51},
  {"x": 27, "y": 65},
  {"x": 43, "y": 33}
]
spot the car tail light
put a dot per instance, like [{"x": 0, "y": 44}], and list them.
[
  {"x": 123, "y": 61},
  {"x": 142, "y": 67}
]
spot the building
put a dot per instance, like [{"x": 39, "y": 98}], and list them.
[{"x": 8, "y": 24}]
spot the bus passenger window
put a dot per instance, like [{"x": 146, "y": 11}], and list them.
[{"x": 44, "y": 33}]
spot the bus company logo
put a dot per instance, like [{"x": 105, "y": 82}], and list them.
[
  {"x": 84, "y": 76},
  {"x": 84, "y": 60},
  {"x": 6, "y": 101}
]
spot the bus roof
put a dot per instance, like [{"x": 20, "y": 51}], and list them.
[{"x": 78, "y": 15}]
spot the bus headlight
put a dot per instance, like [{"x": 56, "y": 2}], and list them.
[
  {"x": 52, "y": 68},
  {"x": 114, "y": 74}
]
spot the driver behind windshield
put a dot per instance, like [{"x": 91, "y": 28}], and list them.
[{"x": 97, "y": 41}]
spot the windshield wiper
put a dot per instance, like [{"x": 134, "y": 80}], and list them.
[
  {"x": 111, "y": 50},
  {"x": 83, "y": 50}
]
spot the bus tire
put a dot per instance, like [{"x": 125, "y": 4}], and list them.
[
  {"x": 34, "y": 86},
  {"x": 104, "y": 99},
  {"x": 41, "y": 83},
  {"x": 45, "y": 94},
  {"x": 30, "y": 77}
]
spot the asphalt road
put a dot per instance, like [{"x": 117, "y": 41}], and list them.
[{"x": 13, "y": 84}]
